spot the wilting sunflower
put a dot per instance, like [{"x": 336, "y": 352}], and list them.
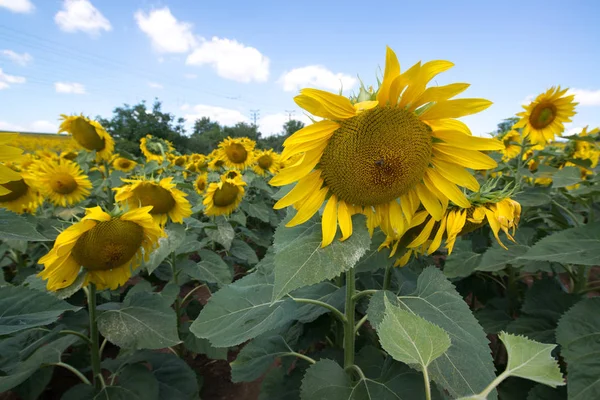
[
  {"x": 224, "y": 197},
  {"x": 21, "y": 195},
  {"x": 512, "y": 145},
  {"x": 89, "y": 134},
  {"x": 392, "y": 152},
  {"x": 8, "y": 153},
  {"x": 236, "y": 153},
  {"x": 155, "y": 148},
  {"x": 63, "y": 183},
  {"x": 167, "y": 201},
  {"x": 201, "y": 183},
  {"x": 266, "y": 161},
  {"x": 124, "y": 164},
  {"x": 544, "y": 117},
  {"x": 108, "y": 248}
]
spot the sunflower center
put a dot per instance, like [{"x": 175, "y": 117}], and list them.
[
  {"x": 17, "y": 189},
  {"x": 232, "y": 175},
  {"x": 376, "y": 156},
  {"x": 160, "y": 198},
  {"x": 226, "y": 195},
  {"x": 179, "y": 161},
  {"x": 265, "y": 162},
  {"x": 125, "y": 164},
  {"x": 108, "y": 245},
  {"x": 236, "y": 153},
  {"x": 86, "y": 135},
  {"x": 63, "y": 183},
  {"x": 543, "y": 115},
  {"x": 201, "y": 185}
]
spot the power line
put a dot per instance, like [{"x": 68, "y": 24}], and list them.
[
  {"x": 289, "y": 113},
  {"x": 254, "y": 114}
]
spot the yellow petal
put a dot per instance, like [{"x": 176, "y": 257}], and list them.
[
  {"x": 463, "y": 141},
  {"x": 392, "y": 70},
  {"x": 437, "y": 240},
  {"x": 455, "y": 108},
  {"x": 321, "y": 130},
  {"x": 423, "y": 235},
  {"x": 438, "y": 93},
  {"x": 426, "y": 73},
  {"x": 8, "y": 175},
  {"x": 409, "y": 203},
  {"x": 303, "y": 188},
  {"x": 430, "y": 202},
  {"x": 432, "y": 68},
  {"x": 467, "y": 158},
  {"x": 297, "y": 172},
  {"x": 396, "y": 218},
  {"x": 448, "y": 188},
  {"x": 329, "y": 223},
  {"x": 96, "y": 214},
  {"x": 345, "y": 220},
  {"x": 456, "y": 174},
  {"x": 449, "y": 124},
  {"x": 9, "y": 153},
  {"x": 400, "y": 82},
  {"x": 328, "y": 105},
  {"x": 365, "y": 105},
  {"x": 494, "y": 225},
  {"x": 402, "y": 261},
  {"x": 309, "y": 208}
]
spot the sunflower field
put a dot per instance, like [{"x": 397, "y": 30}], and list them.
[{"x": 385, "y": 253}]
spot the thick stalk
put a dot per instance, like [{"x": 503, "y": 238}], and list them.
[
  {"x": 177, "y": 299},
  {"x": 94, "y": 346},
  {"x": 581, "y": 281},
  {"x": 349, "y": 323},
  {"x": 427, "y": 384},
  {"x": 387, "y": 278},
  {"x": 111, "y": 196}
]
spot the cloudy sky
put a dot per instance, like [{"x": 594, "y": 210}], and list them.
[{"x": 226, "y": 59}]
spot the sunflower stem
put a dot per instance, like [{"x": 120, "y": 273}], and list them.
[
  {"x": 111, "y": 200},
  {"x": 581, "y": 279},
  {"x": 387, "y": 278},
  {"x": 349, "y": 323},
  {"x": 94, "y": 337},
  {"x": 177, "y": 299}
]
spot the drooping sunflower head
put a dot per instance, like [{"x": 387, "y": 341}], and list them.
[
  {"x": 166, "y": 200},
  {"x": 89, "y": 134},
  {"x": 124, "y": 164},
  {"x": 20, "y": 195},
  {"x": 222, "y": 198},
  {"x": 584, "y": 149},
  {"x": 8, "y": 154},
  {"x": 266, "y": 161},
  {"x": 545, "y": 116},
  {"x": 512, "y": 145},
  {"x": 108, "y": 248},
  {"x": 155, "y": 148},
  {"x": 237, "y": 153},
  {"x": 63, "y": 182},
  {"x": 398, "y": 149}
]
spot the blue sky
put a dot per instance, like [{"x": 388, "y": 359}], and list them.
[{"x": 224, "y": 59}]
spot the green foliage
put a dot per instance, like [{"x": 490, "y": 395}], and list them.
[{"x": 580, "y": 245}]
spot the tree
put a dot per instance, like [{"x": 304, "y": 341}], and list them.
[{"x": 506, "y": 125}]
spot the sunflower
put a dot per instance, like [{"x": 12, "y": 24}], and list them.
[
  {"x": 200, "y": 183},
  {"x": 585, "y": 150},
  {"x": 167, "y": 201},
  {"x": 179, "y": 161},
  {"x": 155, "y": 148},
  {"x": 68, "y": 155},
  {"x": 401, "y": 149},
  {"x": 224, "y": 197},
  {"x": 512, "y": 145},
  {"x": 63, "y": 183},
  {"x": 544, "y": 117},
  {"x": 21, "y": 195},
  {"x": 236, "y": 153},
  {"x": 8, "y": 153},
  {"x": 124, "y": 164},
  {"x": 266, "y": 161},
  {"x": 108, "y": 248},
  {"x": 89, "y": 134}
]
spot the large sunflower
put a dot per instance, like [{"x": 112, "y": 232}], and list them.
[
  {"x": 224, "y": 197},
  {"x": 89, "y": 134},
  {"x": 155, "y": 148},
  {"x": 8, "y": 153},
  {"x": 392, "y": 153},
  {"x": 236, "y": 153},
  {"x": 108, "y": 248},
  {"x": 544, "y": 117},
  {"x": 167, "y": 201},
  {"x": 21, "y": 195},
  {"x": 63, "y": 183},
  {"x": 266, "y": 161},
  {"x": 124, "y": 164}
]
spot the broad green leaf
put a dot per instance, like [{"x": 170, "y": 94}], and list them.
[
  {"x": 566, "y": 176},
  {"x": 409, "y": 338},
  {"x": 201, "y": 346},
  {"x": 211, "y": 269},
  {"x": 531, "y": 360},
  {"x": 37, "y": 283},
  {"x": 223, "y": 234},
  {"x": 467, "y": 367},
  {"x": 35, "y": 385},
  {"x": 243, "y": 251},
  {"x": 143, "y": 321},
  {"x": 166, "y": 245},
  {"x": 578, "y": 334},
  {"x": 258, "y": 210},
  {"x": 579, "y": 245},
  {"x": 374, "y": 260},
  {"x": 543, "y": 392},
  {"x": 462, "y": 262},
  {"x": 326, "y": 380},
  {"x": 139, "y": 381},
  {"x": 24, "y": 308},
  {"x": 496, "y": 258},
  {"x": 300, "y": 260},
  {"x": 491, "y": 320},
  {"x": 533, "y": 197},
  {"x": 16, "y": 227},
  {"x": 277, "y": 385}
]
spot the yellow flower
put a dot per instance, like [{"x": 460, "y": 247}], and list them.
[
  {"x": 63, "y": 183},
  {"x": 68, "y": 155},
  {"x": 155, "y": 148},
  {"x": 585, "y": 150},
  {"x": 8, "y": 153},
  {"x": 391, "y": 154},
  {"x": 89, "y": 134},
  {"x": 179, "y": 161},
  {"x": 236, "y": 153},
  {"x": 124, "y": 164},
  {"x": 544, "y": 117},
  {"x": 266, "y": 161},
  {"x": 512, "y": 145},
  {"x": 224, "y": 197},
  {"x": 22, "y": 195},
  {"x": 108, "y": 248},
  {"x": 200, "y": 183}
]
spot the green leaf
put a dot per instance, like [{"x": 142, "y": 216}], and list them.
[
  {"x": 243, "y": 251},
  {"x": 492, "y": 321},
  {"x": 211, "y": 269},
  {"x": 579, "y": 245},
  {"x": 374, "y": 259},
  {"x": 35, "y": 385},
  {"x": 496, "y": 258},
  {"x": 531, "y": 360},
  {"x": 201, "y": 346},
  {"x": 277, "y": 385},
  {"x": 143, "y": 321},
  {"x": 578, "y": 334},
  {"x": 300, "y": 260},
  {"x": 166, "y": 245},
  {"x": 543, "y": 392},
  {"x": 223, "y": 235},
  {"x": 326, "y": 380},
  {"x": 37, "y": 283},
  {"x": 467, "y": 366},
  {"x": 409, "y": 338},
  {"x": 24, "y": 308},
  {"x": 462, "y": 262},
  {"x": 258, "y": 210},
  {"x": 533, "y": 197},
  {"x": 139, "y": 382},
  {"x": 325, "y": 292},
  {"x": 16, "y": 227},
  {"x": 566, "y": 176}
]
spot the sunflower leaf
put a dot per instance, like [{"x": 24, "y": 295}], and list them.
[
  {"x": 13, "y": 226},
  {"x": 211, "y": 269}
]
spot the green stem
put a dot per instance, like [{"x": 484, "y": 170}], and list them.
[
  {"x": 387, "y": 277},
  {"x": 364, "y": 293},
  {"x": 581, "y": 279},
  {"x": 358, "y": 371},
  {"x": 337, "y": 313},
  {"x": 349, "y": 323},
  {"x": 483, "y": 395},
  {"x": 360, "y": 323},
  {"x": 187, "y": 296},
  {"x": 567, "y": 211},
  {"x": 177, "y": 299},
  {"x": 427, "y": 384},
  {"x": 72, "y": 369},
  {"x": 102, "y": 346},
  {"x": 94, "y": 348},
  {"x": 80, "y": 335},
  {"x": 111, "y": 199},
  {"x": 302, "y": 356}
]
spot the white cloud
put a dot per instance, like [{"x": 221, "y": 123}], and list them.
[
  {"x": 232, "y": 60},
  {"x": 7, "y": 126},
  {"x": 81, "y": 15},
  {"x": 168, "y": 35},
  {"x": 155, "y": 85},
  {"x": 35, "y": 126},
  {"x": 586, "y": 97},
  {"x": 272, "y": 124},
  {"x": 18, "y": 6},
  {"x": 527, "y": 100},
  {"x": 315, "y": 76},
  {"x": 223, "y": 116},
  {"x": 190, "y": 76},
  {"x": 6, "y": 80},
  {"x": 21, "y": 59},
  {"x": 69, "y": 87}
]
